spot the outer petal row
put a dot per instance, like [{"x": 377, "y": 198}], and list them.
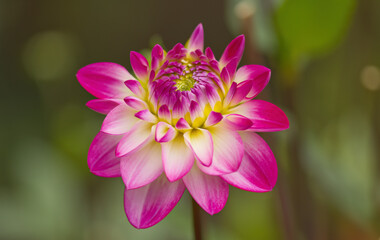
[
  {"x": 177, "y": 158},
  {"x": 103, "y": 106},
  {"x": 258, "y": 170},
  {"x": 148, "y": 205},
  {"x": 101, "y": 155},
  {"x": 142, "y": 166},
  {"x": 265, "y": 116},
  {"x": 105, "y": 80},
  {"x": 119, "y": 120},
  {"x": 210, "y": 192},
  {"x": 228, "y": 151}
]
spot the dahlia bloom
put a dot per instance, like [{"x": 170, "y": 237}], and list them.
[{"x": 184, "y": 120}]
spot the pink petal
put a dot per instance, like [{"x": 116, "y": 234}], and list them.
[
  {"x": 101, "y": 155},
  {"x": 225, "y": 76},
  {"x": 119, "y": 120},
  {"x": 210, "y": 192},
  {"x": 136, "y": 137},
  {"x": 164, "y": 132},
  {"x": 228, "y": 151},
  {"x": 135, "y": 103},
  {"x": 196, "y": 39},
  {"x": 195, "y": 110},
  {"x": 200, "y": 142},
  {"x": 209, "y": 54},
  {"x": 157, "y": 56},
  {"x": 258, "y": 170},
  {"x": 164, "y": 113},
  {"x": 141, "y": 167},
  {"x": 104, "y": 80},
  {"x": 230, "y": 94},
  {"x": 103, "y": 106},
  {"x": 135, "y": 87},
  {"x": 265, "y": 116},
  {"x": 242, "y": 90},
  {"x": 179, "y": 109},
  {"x": 146, "y": 115},
  {"x": 177, "y": 158},
  {"x": 228, "y": 72},
  {"x": 233, "y": 50},
  {"x": 237, "y": 122},
  {"x": 213, "y": 118},
  {"x": 182, "y": 124},
  {"x": 259, "y": 75},
  {"x": 140, "y": 65},
  {"x": 150, "y": 204}
]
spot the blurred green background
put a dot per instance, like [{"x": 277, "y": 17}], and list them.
[{"x": 325, "y": 61}]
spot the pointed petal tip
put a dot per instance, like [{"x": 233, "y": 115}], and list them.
[
  {"x": 148, "y": 205},
  {"x": 233, "y": 50},
  {"x": 196, "y": 40},
  {"x": 103, "y": 79}
]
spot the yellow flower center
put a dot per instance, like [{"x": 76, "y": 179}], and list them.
[{"x": 186, "y": 81}]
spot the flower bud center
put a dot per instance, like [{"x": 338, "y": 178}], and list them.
[{"x": 185, "y": 81}]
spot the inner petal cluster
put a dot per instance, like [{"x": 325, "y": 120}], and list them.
[{"x": 186, "y": 82}]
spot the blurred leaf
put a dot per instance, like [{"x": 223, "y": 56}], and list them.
[
  {"x": 50, "y": 55},
  {"x": 310, "y": 27},
  {"x": 47, "y": 196},
  {"x": 250, "y": 215},
  {"x": 262, "y": 32},
  {"x": 341, "y": 160}
]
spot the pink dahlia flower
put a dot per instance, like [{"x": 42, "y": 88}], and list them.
[{"x": 183, "y": 121}]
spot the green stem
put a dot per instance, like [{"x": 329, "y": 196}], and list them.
[{"x": 197, "y": 221}]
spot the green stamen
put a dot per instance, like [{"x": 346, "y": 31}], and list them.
[{"x": 186, "y": 81}]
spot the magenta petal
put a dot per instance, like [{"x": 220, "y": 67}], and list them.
[
  {"x": 265, "y": 116},
  {"x": 259, "y": 75},
  {"x": 182, "y": 124},
  {"x": 225, "y": 76},
  {"x": 119, "y": 120},
  {"x": 135, "y": 103},
  {"x": 101, "y": 155},
  {"x": 242, "y": 90},
  {"x": 228, "y": 150},
  {"x": 135, "y": 87},
  {"x": 233, "y": 50},
  {"x": 258, "y": 170},
  {"x": 210, "y": 192},
  {"x": 228, "y": 72},
  {"x": 103, "y": 106},
  {"x": 141, "y": 167},
  {"x": 104, "y": 80},
  {"x": 164, "y": 113},
  {"x": 157, "y": 56},
  {"x": 209, "y": 54},
  {"x": 237, "y": 122},
  {"x": 213, "y": 118},
  {"x": 195, "y": 110},
  {"x": 164, "y": 132},
  {"x": 136, "y": 137},
  {"x": 200, "y": 142},
  {"x": 150, "y": 204},
  {"x": 230, "y": 94},
  {"x": 177, "y": 158},
  {"x": 140, "y": 65},
  {"x": 196, "y": 39},
  {"x": 146, "y": 115}
]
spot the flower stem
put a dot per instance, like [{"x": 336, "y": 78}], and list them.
[{"x": 197, "y": 221}]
